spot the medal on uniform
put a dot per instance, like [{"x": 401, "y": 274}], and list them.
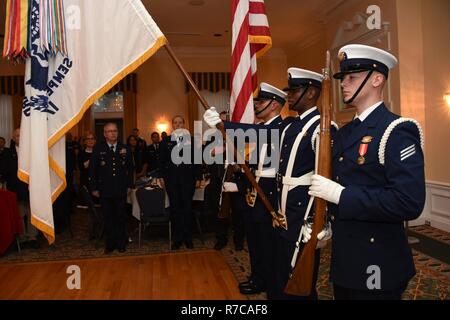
[
  {"x": 367, "y": 139},
  {"x": 362, "y": 152}
]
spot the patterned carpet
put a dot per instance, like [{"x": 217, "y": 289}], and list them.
[
  {"x": 432, "y": 281},
  {"x": 436, "y": 234}
]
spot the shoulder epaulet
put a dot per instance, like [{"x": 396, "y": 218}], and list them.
[
  {"x": 317, "y": 132},
  {"x": 388, "y": 131}
]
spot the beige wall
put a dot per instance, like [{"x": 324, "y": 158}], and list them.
[
  {"x": 436, "y": 53},
  {"x": 411, "y": 50},
  {"x": 312, "y": 57},
  {"x": 419, "y": 38},
  {"x": 161, "y": 87}
]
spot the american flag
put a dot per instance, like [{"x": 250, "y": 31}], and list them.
[{"x": 250, "y": 40}]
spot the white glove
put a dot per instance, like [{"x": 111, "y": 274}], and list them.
[
  {"x": 230, "y": 187},
  {"x": 323, "y": 236},
  {"x": 325, "y": 188},
  {"x": 212, "y": 117}
]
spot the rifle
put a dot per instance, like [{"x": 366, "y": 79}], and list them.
[
  {"x": 300, "y": 281},
  {"x": 277, "y": 218}
]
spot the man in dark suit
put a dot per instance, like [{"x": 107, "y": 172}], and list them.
[
  {"x": 179, "y": 175},
  {"x": 153, "y": 152},
  {"x": 378, "y": 183},
  {"x": 111, "y": 179}
]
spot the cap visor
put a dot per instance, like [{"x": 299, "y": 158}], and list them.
[{"x": 341, "y": 74}]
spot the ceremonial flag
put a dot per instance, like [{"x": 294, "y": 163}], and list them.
[
  {"x": 250, "y": 40},
  {"x": 105, "y": 40}
]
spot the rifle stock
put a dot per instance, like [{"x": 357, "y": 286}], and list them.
[{"x": 300, "y": 282}]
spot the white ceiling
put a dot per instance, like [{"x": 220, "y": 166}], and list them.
[{"x": 291, "y": 21}]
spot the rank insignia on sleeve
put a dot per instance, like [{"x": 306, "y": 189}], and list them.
[{"x": 407, "y": 152}]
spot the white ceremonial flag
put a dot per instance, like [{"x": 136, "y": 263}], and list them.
[{"x": 105, "y": 40}]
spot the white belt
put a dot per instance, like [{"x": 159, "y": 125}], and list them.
[
  {"x": 269, "y": 173},
  {"x": 304, "y": 180}
]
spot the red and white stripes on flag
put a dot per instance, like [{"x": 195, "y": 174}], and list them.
[{"x": 250, "y": 40}]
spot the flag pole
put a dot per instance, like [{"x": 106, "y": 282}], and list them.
[{"x": 278, "y": 219}]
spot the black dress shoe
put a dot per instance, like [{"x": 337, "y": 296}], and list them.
[
  {"x": 108, "y": 250},
  {"x": 251, "y": 288},
  {"x": 220, "y": 245},
  {"x": 189, "y": 244},
  {"x": 176, "y": 245},
  {"x": 122, "y": 250},
  {"x": 243, "y": 284}
]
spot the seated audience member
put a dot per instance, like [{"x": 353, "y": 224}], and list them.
[{"x": 21, "y": 190}]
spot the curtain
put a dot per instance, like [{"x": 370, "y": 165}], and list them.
[
  {"x": 14, "y": 86},
  {"x": 6, "y": 117},
  {"x": 220, "y": 100},
  {"x": 215, "y": 88}
]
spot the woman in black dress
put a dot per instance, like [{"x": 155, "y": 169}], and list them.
[{"x": 140, "y": 165}]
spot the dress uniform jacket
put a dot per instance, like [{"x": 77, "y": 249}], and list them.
[
  {"x": 383, "y": 188},
  {"x": 297, "y": 197},
  {"x": 268, "y": 185},
  {"x": 152, "y": 155},
  {"x": 111, "y": 173},
  {"x": 180, "y": 184}
]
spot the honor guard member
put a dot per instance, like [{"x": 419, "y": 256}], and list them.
[
  {"x": 260, "y": 231},
  {"x": 297, "y": 164},
  {"x": 378, "y": 183},
  {"x": 231, "y": 193},
  {"x": 111, "y": 179},
  {"x": 179, "y": 178}
]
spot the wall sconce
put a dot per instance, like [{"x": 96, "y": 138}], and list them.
[
  {"x": 447, "y": 98},
  {"x": 162, "y": 126}
]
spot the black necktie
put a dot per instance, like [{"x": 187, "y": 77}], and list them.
[
  {"x": 112, "y": 149},
  {"x": 354, "y": 125}
]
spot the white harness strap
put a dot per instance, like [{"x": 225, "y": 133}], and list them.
[
  {"x": 308, "y": 210},
  {"x": 284, "y": 134},
  {"x": 291, "y": 182}
]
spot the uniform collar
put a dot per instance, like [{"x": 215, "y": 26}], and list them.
[
  {"x": 271, "y": 120},
  {"x": 367, "y": 127},
  {"x": 307, "y": 113},
  {"x": 363, "y": 116}
]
